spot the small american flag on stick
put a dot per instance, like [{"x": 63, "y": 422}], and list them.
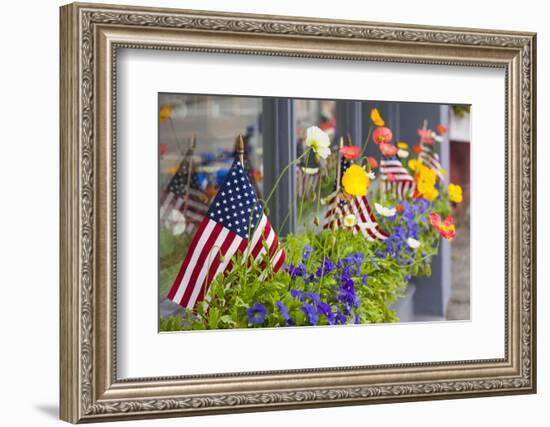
[
  {"x": 430, "y": 158},
  {"x": 395, "y": 179},
  {"x": 235, "y": 222},
  {"x": 359, "y": 206},
  {"x": 185, "y": 194}
]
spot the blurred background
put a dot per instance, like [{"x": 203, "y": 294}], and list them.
[{"x": 203, "y": 130}]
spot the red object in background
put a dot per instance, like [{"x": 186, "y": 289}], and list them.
[
  {"x": 163, "y": 149},
  {"x": 328, "y": 126},
  {"x": 460, "y": 168}
]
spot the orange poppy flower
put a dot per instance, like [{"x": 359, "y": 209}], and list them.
[
  {"x": 442, "y": 130},
  {"x": 446, "y": 228},
  {"x": 417, "y": 148}
]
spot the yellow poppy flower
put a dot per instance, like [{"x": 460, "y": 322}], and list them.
[
  {"x": 402, "y": 145},
  {"x": 165, "y": 113},
  {"x": 173, "y": 170},
  {"x": 355, "y": 181},
  {"x": 414, "y": 164},
  {"x": 455, "y": 193},
  {"x": 430, "y": 194},
  {"x": 376, "y": 117}
]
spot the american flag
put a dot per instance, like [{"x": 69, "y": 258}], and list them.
[
  {"x": 359, "y": 206},
  {"x": 185, "y": 181},
  {"x": 235, "y": 222},
  {"x": 307, "y": 183},
  {"x": 429, "y": 157},
  {"x": 395, "y": 179}
]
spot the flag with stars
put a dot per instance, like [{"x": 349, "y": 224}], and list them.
[
  {"x": 395, "y": 179},
  {"x": 185, "y": 182},
  {"x": 235, "y": 222},
  {"x": 359, "y": 206}
]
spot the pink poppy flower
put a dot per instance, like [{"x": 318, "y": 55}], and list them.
[
  {"x": 372, "y": 162},
  {"x": 388, "y": 150},
  {"x": 350, "y": 152},
  {"x": 382, "y": 135},
  {"x": 426, "y": 136}
]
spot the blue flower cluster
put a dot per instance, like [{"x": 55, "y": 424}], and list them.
[
  {"x": 407, "y": 227},
  {"x": 344, "y": 303}
]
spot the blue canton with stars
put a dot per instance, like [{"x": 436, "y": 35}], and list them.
[
  {"x": 178, "y": 183},
  {"x": 344, "y": 165},
  {"x": 236, "y": 205}
]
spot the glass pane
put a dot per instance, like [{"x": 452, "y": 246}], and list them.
[
  {"x": 199, "y": 133},
  {"x": 314, "y": 177}
]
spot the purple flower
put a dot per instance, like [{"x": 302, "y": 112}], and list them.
[
  {"x": 256, "y": 314},
  {"x": 314, "y": 297},
  {"x": 297, "y": 293},
  {"x": 312, "y": 316},
  {"x": 380, "y": 254},
  {"x": 326, "y": 309},
  {"x": 341, "y": 317},
  {"x": 327, "y": 266},
  {"x": 306, "y": 252},
  {"x": 289, "y": 321},
  {"x": 364, "y": 279}
]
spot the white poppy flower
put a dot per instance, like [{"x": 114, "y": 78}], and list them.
[
  {"x": 402, "y": 153},
  {"x": 318, "y": 141},
  {"x": 383, "y": 210},
  {"x": 371, "y": 175},
  {"x": 438, "y": 138},
  {"x": 350, "y": 220},
  {"x": 413, "y": 243}
]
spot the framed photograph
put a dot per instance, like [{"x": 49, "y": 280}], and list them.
[{"x": 267, "y": 212}]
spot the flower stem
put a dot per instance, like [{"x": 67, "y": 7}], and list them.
[
  {"x": 304, "y": 193},
  {"x": 283, "y": 172},
  {"x": 366, "y": 143}
]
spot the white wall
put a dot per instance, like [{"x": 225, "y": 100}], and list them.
[{"x": 29, "y": 169}]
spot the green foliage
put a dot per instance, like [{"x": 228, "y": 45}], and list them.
[{"x": 353, "y": 291}]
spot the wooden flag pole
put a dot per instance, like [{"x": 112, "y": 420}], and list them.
[
  {"x": 189, "y": 154},
  {"x": 240, "y": 150},
  {"x": 424, "y": 127},
  {"x": 339, "y": 167}
]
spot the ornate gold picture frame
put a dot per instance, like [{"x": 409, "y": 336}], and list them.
[{"x": 91, "y": 34}]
